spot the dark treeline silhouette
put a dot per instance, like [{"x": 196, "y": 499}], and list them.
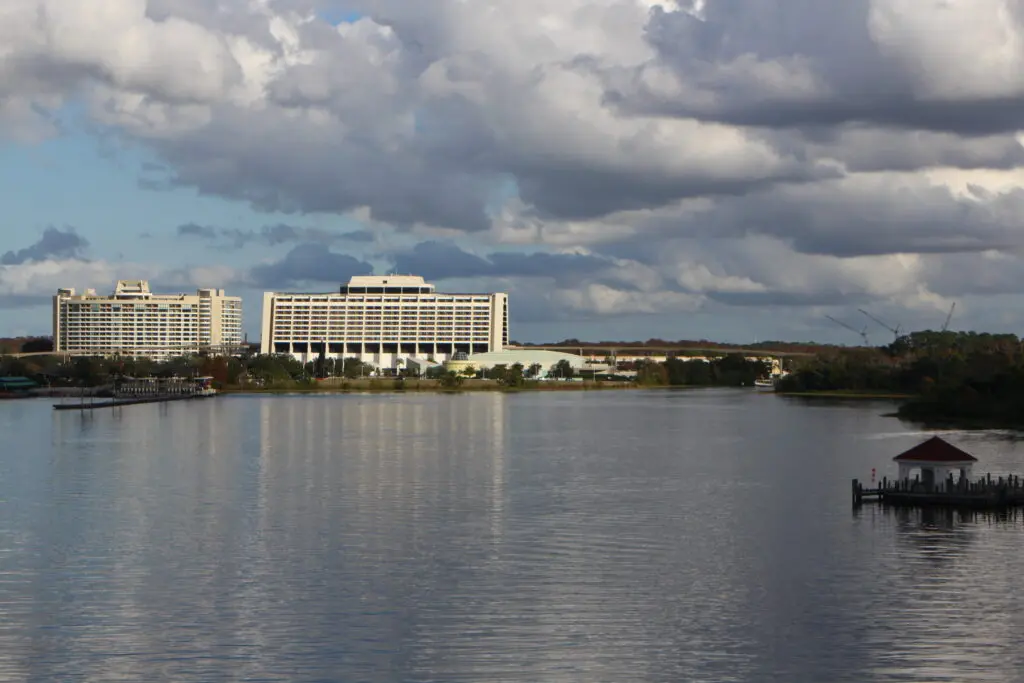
[
  {"x": 256, "y": 370},
  {"x": 283, "y": 370},
  {"x": 732, "y": 370},
  {"x": 25, "y": 345},
  {"x": 951, "y": 376}
]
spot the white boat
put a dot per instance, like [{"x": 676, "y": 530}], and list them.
[{"x": 765, "y": 384}]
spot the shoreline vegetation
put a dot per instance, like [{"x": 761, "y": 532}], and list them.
[
  {"x": 960, "y": 379},
  {"x": 278, "y": 373},
  {"x": 950, "y": 379}
]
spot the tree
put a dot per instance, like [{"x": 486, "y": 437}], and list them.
[
  {"x": 39, "y": 345},
  {"x": 498, "y": 373},
  {"x": 13, "y": 367},
  {"x": 353, "y": 368},
  {"x": 650, "y": 373},
  {"x": 215, "y": 367},
  {"x": 562, "y": 369},
  {"x": 511, "y": 376},
  {"x": 320, "y": 367},
  {"x": 450, "y": 380}
]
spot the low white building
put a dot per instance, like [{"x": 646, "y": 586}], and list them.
[{"x": 525, "y": 357}]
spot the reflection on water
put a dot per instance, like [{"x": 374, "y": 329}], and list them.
[{"x": 640, "y": 536}]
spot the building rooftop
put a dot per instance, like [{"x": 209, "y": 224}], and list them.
[
  {"x": 134, "y": 290},
  {"x": 382, "y": 280},
  {"x": 935, "y": 449},
  {"x": 129, "y": 289}
]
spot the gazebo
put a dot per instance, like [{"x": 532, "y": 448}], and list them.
[{"x": 937, "y": 460}]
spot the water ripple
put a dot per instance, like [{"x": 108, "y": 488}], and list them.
[{"x": 650, "y": 536}]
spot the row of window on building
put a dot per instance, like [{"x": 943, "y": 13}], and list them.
[{"x": 377, "y": 319}]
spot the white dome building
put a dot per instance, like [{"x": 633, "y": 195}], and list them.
[{"x": 525, "y": 357}]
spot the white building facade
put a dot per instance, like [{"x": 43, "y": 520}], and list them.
[
  {"x": 384, "y": 320},
  {"x": 135, "y": 322}
]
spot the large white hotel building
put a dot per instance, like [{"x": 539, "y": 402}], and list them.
[
  {"x": 135, "y": 322},
  {"x": 383, "y": 319}
]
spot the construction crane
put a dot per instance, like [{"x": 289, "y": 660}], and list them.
[
  {"x": 949, "y": 317},
  {"x": 895, "y": 330},
  {"x": 863, "y": 333}
]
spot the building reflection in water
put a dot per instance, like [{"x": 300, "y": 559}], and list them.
[{"x": 604, "y": 536}]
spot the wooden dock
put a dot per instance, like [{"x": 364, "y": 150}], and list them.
[
  {"x": 986, "y": 493},
  {"x": 116, "y": 402},
  {"x": 134, "y": 391}
]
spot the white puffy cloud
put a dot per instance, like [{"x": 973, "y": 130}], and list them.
[
  {"x": 33, "y": 282},
  {"x": 693, "y": 154}
]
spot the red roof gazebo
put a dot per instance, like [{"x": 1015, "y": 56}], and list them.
[{"x": 936, "y": 459}]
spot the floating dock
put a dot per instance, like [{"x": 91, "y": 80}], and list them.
[
  {"x": 133, "y": 391},
  {"x": 988, "y": 493},
  {"x": 937, "y": 473},
  {"x": 115, "y": 402}
]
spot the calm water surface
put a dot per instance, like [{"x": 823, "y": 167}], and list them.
[{"x": 619, "y": 536}]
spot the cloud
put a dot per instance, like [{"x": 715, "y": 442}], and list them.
[
  {"x": 443, "y": 261},
  {"x": 194, "y": 230},
  {"x": 910, "y": 64},
  {"x": 595, "y": 157},
  {"x": 308, "y": 264},
  {"x": 54, "y": 243},
  {"x": 272, "y": 235},
  {"x": 33, "y": 282}
]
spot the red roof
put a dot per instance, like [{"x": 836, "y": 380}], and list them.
[{"x": 936, "y": 450}]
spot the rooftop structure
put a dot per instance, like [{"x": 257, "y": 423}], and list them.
[
  {"x": 133, "y": 321},
  {"x": 387, "y": 284},
  {"x": 384, "y": 320}
]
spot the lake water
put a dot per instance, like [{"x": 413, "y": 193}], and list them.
[{"x": 581, "y": 536}]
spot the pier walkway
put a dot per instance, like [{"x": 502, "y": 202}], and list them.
[{"x": 988, "y": 492}]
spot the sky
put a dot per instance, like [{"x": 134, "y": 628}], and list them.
[{"x": 733, "y": 170}]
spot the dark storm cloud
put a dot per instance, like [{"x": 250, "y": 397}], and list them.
[
  {"x": 725, "y": 54},
  {"x": 954, "y": 275},
  {"x": 821, "y": 297},
  {"x": 305, "y": 169},
  {"x": 585, "y": 193},
  {"x": 195, "y": 230},
  {"x": 54, "y": 244},
  {"x": 272, "y": 235},
  {"x": 308, "y": 263},
  {"x": 441, "y": 261},
  {"x": 845, "y": 220}
]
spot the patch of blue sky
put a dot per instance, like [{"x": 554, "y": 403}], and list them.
[
  {"x": 337, "y": 16},
  {"x": 76, "y": 181}
]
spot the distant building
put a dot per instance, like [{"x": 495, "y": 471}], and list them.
[
  {"x": 135, "y": 322},
  {"x": 384, "y": 320},
  {"x": 525, "y": 357}
]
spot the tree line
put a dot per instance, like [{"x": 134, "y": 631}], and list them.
[
  {"x": 282, "y": 369},
  {"x": 253, "y": 369},
  {"x": 949, "y": 376}
]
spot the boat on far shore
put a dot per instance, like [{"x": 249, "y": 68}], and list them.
[{"x": 765, "y": 384}]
